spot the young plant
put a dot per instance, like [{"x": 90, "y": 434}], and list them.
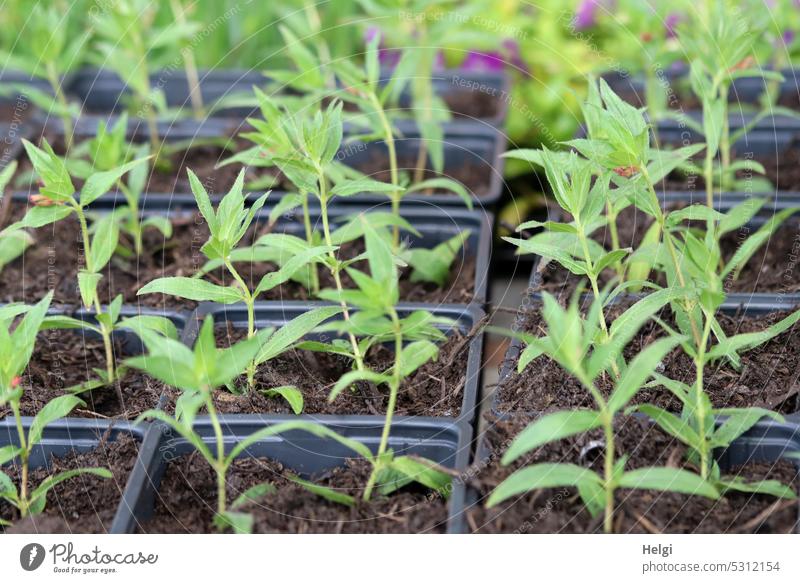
[
  {"x": 56, "y": 201},
  {"x": 50, "y": 50},
  {"x": 720, "y": 46},
  {"x": 104, "y": 152},
  {"x": 228, "y": 225},
  {"x": 570, "y": 341},
  {"x": 377, "y": 321},
  {"x": 130, "y": 44},
  {"x": 197, "y": 373},
  {"x": 16, "y": 347}
]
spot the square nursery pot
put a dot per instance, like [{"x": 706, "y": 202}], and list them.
[
  {"x": 736, "y": 305},
  {"x": 480, "y": 97},
  {"x": 308, "y": 456},
  {"x": 766, "y": 442},
  {"x": 275, "y": 315},
  {"x": 783, "y": 243},
  {"x": 71, "y": 435},
  {"x": 472, "y": 156},
  {"x": 126, "y": 343}
]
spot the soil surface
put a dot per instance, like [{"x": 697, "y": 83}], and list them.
[
  {"x": 64, "y": 358},
  {"x": 436, "y": 389},
  {"x": 187, "y": 499},
  {"x": 772, "y": 268},
  {"x": 768, "y": 376},
  {"x": 473, "y": 104},
  {"x": 52, "y": 263},
  {"x": 84, "y": 504},
  {"x": 560, "y": 510}
]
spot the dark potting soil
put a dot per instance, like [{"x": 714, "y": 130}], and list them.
[
  {"x": 768, "y": 377},
  {"x": 64, "y": 358},
  {"x": 473, "y": 104},
  {"x": 203, "y": 160},
  {"x": 559, "y": 510},
  {"x": 52, "y": 263},
  {"x": 772, "y": 268},
  {"x": 81, "y": 505},
  {"x": 436, "y": 389},
  {"x": 187, "y": 499}
]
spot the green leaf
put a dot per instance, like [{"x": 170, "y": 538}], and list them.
[
  {"x": 740, "y": 214},
  {"x": 434, "y": 264},
  {"x": 551, "y": 427},
  {"x": 362, "y": 185},
  {"x": 668, "y": 480},
  {"x": 446, "y": 185},
  {"x": 13, "y": 244},
  {"x": 292, "y": 395},
  {"x": 415, "y": 354},
  {"x": 639, "y": 371},
  {"x": 105, "y": 240},
  {"x": 238, "y": 522},
  {"x": 313, "y": 428},
  {"x": 327, "y": 493},
  {"x": 768, "y": 487},
  {"x": 355, "y": 376},
  {"x": 294, "y": 330},
  {"x": 403, "y": 470},
  {"x": 673, "y": 425},
  {"x": 739, "y": 421},
  {"x": 87, "y": 284},
  {"x": 253, "y": 494},
  {"x": 100, "y": 183},
  {"x": 547, "y": 251},
  {"x": 54, "y": 410},
  {"x": 749, "y": 340},
  {"x": 203, "y": 201},
  {"x": 755, "y": 241},
  {"x": 38, "y": 497},
  {"x": 160, "y": 324},
  {"x": 541, "y": 476},
  {"x": 193, "y": 289},
  {"x": 39, "y": 216}
]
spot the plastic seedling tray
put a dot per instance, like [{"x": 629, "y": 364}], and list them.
[
  {"x": 102, "y": 91},
  {"x": 274, "y": 315},
  {"x": 81, "y": 435},
  {"x": 445, "y": 443}
]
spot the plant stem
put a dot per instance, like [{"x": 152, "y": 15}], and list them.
[
  {"x": 23, "y": 456},
  {"x": 612, "y": 228},
  {"x": 595, "y": 290},
  {"x": 394, "y": 389},
  {"x": 219, "y": 468},
  {"x": 608, "y": 474},
  {"x": 190, "y": 66},
  {"x": 55, "y": 84},
  {"x": 310, "y": 241},
  {"x": 671, "y": 249},
  {"x": 105, "y": 331},
  {"x": 323, "y": 201},
  {"x": 699, "y": 407},
  {"x": 388, "y": 137},
  {"x": 251, "y": 325},
  {"x": 607, "y": 420},
  {"x": 133, "y": 217}
]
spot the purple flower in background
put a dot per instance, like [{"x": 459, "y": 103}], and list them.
[
  {"x": 671, "y": 22},
  {"x": 478, "y": 61},
  {"x": 495, "y": 60},
  {"x": 386, "y": 57},
  {"x": 586, "y": 14},
  {"x": 788, "y": 37}
]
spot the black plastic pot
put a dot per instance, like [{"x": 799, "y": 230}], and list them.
[
  {"x": 18, "y": 82},
  {"x": 277, "y": 314},
  {"x": 741, "y": 304},
  {"x": 81, "y": 435},
  {"x": 445, "y": 443},
  {"x": 102, "y": 91},
  {"x": 767, "y": 441}
]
